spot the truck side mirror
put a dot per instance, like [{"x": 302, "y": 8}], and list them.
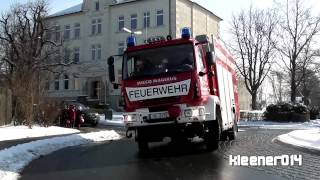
[
  {"x": 112, "y": 77},
  {"x": 210, "y": 58}
]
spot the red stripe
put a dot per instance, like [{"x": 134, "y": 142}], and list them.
[
  {"x": 226, "y": 66},
  {"x": 225, "y": 53}
]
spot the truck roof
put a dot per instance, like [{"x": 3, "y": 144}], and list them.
[{"x": 161, "y": 43}]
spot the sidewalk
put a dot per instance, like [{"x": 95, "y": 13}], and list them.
[
  {"x": 15, "y": 135},
  {"x": 308, "y": 139}
]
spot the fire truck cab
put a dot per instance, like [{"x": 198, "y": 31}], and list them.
[{"x": 179, "y": 88}]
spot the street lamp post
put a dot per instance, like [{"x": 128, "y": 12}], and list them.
[{"x": 131, "y": 32}]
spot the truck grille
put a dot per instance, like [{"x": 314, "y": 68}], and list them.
[
  {"x": 159, "y": 120},
  {"x": 152, "y": 103}
]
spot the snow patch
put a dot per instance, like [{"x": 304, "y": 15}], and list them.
[
  {"x": 278, "y": 125},
  {"x": 21, "y": 132},
  {"x": 71, "y": 10},
  {"x": 309, "y": 139},
  {"x": 14, "y": 159}
]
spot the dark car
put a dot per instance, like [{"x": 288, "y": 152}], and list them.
[{"x": 90, "y": 117}]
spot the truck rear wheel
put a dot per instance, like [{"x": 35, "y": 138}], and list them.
[
  {"x": 234, "y": 131},
  {"x": 212, "y": 137}
]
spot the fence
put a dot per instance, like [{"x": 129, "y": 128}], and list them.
[{"x": 5, "y": 106}]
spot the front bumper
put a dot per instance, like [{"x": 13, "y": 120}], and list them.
[{"x": 142, "y": 117}]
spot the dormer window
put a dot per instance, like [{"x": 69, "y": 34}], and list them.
[{"x": 97, "y": 6}]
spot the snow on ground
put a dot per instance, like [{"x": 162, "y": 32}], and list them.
[
  {"x": 117, "y": 119},
  {"x": 309, "y": 139},
  {"x": 20, "y": 132},
  {"x": 14, "y": 159},
  {"x": 277, "y": 125}
]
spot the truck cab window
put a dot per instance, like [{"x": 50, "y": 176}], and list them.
[
  {"x": 163, "y": 60},
  {"x": 199, "y": 56}
]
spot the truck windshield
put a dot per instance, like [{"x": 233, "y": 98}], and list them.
[{"x": 150, "y": 62}]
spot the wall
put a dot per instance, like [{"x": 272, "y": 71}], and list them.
[{"x": 201, "y": 21}]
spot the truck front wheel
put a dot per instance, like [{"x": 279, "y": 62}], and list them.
[
  {"x": 142, "y": 142},
  {"x": 212, "y": 136}
]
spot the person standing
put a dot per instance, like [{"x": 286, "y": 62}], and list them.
[
  {"x": 65, "y": 117},
  {"x": 72, "y": 115},
  {"x": 79, "y": 118}
]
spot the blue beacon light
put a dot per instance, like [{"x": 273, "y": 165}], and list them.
[
  {"x": 131, "y": 41},
  {"x": 186, "y": 33}
]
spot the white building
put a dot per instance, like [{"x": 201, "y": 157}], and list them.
[{"x": 92, "y": 31}]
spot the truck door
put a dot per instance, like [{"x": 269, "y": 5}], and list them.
[{"x": 204, "y": 86}]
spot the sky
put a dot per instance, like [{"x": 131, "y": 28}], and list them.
[{"x": 222, "y": 8}]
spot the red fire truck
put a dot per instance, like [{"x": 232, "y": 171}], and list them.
[{"x": 179, "y": 88}]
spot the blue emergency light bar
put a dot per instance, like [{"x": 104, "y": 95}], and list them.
[
  {"x": 186, "y": 33},
  {"x": 131, "y": 41}
]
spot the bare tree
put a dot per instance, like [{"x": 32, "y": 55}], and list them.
[
  {"x": 252, "y": 34},
  {"x": 276, "y": 78},
  {"x": 25, "y": 54},
  {"x": 297, "y": 31}
]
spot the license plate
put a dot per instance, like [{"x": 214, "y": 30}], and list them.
[{"x": 162, "y": 115}]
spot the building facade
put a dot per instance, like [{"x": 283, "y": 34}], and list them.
[{"x": 93, "y": 31}]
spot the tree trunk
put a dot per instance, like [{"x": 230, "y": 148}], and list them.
[
  {"x": 293, "y": 89},
  {"x": 254, "y": 100}
]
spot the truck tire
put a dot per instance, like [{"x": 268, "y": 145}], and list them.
[
  {"x": 212, "y": 137},
  {"x": 232, "y": 134},
  {"x": 143, "y": 147},
  {"x": 142, "y": 142}
]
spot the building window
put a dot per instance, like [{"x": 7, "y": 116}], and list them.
[
  {"x": 66, "y": 82},
  {"x": 93, "y": 52},
  {"x": 134, "y": 21},
  {"x": 159, "y": 17},
  {"x": 48, "y": 35},
  {"x": 57, "y": 34},
  {"x": 96, "y": 26},
  {"x": 99, "y": 26},
  {"x": 146, "y": 19},
  {"x": 120, "y": 47},
  {"x": 76, "y": 83},
  {"x": 76, "y": 55},
  {"x": 66, "y": 32},
  {"x": 95, "y": 89},
  {"x": 47, "y": 85},
  {"x": 56, "y": 82},
  {"x": 67, "y": 55},
  {"x": 120, "y": 23},
  {"x": 98, "y": 52},
  {"x": 77, "y": 31},
  {"x": 97, "y": 5}
]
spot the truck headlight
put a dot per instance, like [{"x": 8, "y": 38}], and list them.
[
  {"x": 201, "y": 112},
  {"x": 130, "y": 118},
  {"x": 188, "y": 113}
]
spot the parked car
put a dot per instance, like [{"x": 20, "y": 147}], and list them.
[{"x": 90, "y": 117}]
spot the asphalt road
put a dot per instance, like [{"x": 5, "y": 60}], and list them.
[{"x": 120, "y": 160}]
